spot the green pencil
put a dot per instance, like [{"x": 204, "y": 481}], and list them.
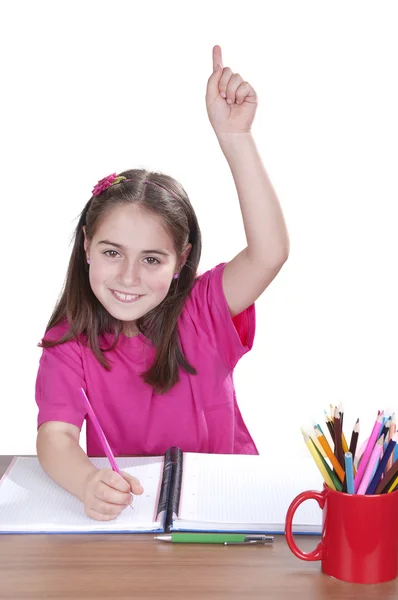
[{"x": 333, "y": 476}]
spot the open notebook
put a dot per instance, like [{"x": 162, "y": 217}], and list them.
[{"x": 182, "y": 492}]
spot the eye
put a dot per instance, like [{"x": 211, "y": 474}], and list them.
[
  {"x": 152, "y": 260},
  {"x": 111, "y": 253}
]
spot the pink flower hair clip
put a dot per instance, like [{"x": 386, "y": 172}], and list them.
[{"x": 106, "y": 182}]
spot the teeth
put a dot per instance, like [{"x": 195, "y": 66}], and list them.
[{"x": 126, "y": 296}]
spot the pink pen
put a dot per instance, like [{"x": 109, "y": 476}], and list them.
[{"x": 101, "y": 436}]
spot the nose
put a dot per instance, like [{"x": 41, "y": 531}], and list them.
[{"x": 129, "y": 274}]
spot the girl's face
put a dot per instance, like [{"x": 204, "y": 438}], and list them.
[{"x": 132, "y": 262}]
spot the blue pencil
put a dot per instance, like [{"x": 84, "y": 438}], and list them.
[
  {"x": 349, "y": 472},
  {"x": 396, "y": 453},
  {"x": 380, "y": 469}
]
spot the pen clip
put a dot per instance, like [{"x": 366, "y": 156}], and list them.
[
  {"x": 259, "y": 538},
  {"x": 253, "y": 539}
]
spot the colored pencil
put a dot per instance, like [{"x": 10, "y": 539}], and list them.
[
  {"x": 368, "y": 451},
  {"x": 349, "y": 472},
  {"x": 393, "y": 486},
  {"x": 344, "y": 442},
  {"x": 336, "y": 481},
  {"x": 315, "y": 440},
  {"x": 329, "y": 424},
  {"x": 312, "y": 448},
  {"x": 388, "y": 478},
  {"x": 341, "y": 414},
  {"x": 380, "y": 469},
  {"x": 353, "y": 443},
  {"x": 101, "y": 437},
  {"x": 370, "y": 467},
  {"x": 386, "y": 428},
  {"x": 359, "y": 453},
  {"x": 338, "y": 449},
  {"x": 354, "y": 439},
  {"x": 336, "y": 465},
  {"x": 393, "y": 429}
]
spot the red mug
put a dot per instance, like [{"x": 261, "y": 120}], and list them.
[{"x": 359, "y": 535}]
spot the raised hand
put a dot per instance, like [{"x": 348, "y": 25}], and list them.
[{"x": 231, "y": 102}]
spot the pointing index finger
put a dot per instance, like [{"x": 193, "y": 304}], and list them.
[{"x": 217, "y": 57}]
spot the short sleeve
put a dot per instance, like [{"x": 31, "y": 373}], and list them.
[
  {"x": 208, "y": 310},
  {"x": 59, "y": 378}
]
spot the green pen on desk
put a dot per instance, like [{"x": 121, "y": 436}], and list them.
[{"x": 216, "y": 538}]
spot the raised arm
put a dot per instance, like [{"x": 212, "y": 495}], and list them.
[{"x": 231, "y": 106}]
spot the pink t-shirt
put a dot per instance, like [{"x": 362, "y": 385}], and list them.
[{"x": 199, "y": 414}]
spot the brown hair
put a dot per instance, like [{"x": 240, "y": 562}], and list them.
[{"x": 85, "y": 314}]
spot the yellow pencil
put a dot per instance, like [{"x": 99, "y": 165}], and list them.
[
  {"x": 318, "y": 461},
  {"x": 344, "y": 443},
  {"x": 317, "y": 444},
  {"x": 336, "y": 465},
  {"x": 392, "y": 486}
]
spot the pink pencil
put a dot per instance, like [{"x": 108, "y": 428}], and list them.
[
  {"x": 368, "y": 451},
  {"x": 374, "y": 459},
  {"x": 101, "y": 435}
]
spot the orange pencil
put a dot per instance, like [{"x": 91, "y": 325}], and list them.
[
  {"x": 315, "y": 441},
  {"x": 336, "y": 465}
]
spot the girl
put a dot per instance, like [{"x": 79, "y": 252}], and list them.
[{"x": 154, "y": 345}]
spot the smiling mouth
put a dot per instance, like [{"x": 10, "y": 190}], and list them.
[{"x": 129, "y": 298}]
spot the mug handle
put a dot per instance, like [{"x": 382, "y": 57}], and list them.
[{"x": 309, "y": 495}]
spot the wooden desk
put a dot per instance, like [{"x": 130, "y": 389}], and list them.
[{"x": 121, "y": 567}]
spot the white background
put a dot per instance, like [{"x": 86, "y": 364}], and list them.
[{"x": 90, "y": 88}]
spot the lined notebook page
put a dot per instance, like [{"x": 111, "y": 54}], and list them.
[
  {"x": 31, "y": 502},
  {"x": 246, "y": 492}
]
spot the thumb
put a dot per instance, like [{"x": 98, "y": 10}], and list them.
[{"x": 133, "y": 482}]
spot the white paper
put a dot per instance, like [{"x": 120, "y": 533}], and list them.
[
  {"x": 30, "y": 501},
  {"x": 229, "y": 492}
]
